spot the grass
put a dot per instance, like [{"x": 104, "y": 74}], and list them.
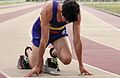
[
  {"x": 8, "y": 2},
  {"x": 112, "y": 7}
]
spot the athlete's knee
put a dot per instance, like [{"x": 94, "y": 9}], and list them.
[
  {"x": 66, "y": 60},
  {"x": 31, "y": 63}
]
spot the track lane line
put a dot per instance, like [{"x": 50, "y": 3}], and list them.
[
  {"x": 98, "y": 69},
  {"x": 4, "y": 74}
]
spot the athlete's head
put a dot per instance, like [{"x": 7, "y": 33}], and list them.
[{"x": 70, "y": 10}]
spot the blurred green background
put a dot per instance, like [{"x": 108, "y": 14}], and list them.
[
  {"x": 105, "y": 5},
  {"x": 112, "y": 7}
]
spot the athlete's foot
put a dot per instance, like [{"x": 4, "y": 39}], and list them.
[
  {"x": 51, "y": 66},
  {"x": 23, "y": 62},
  {"x": 53, "y": 53},
  {"x": 28, "y": 51}
]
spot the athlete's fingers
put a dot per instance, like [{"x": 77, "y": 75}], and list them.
[
  {"x": 86, "y": 73},
  {"x": 83, "y": 73},
  {"x": 89, "y": 73},
  {"x": 29, "y": 74},
  {"x": 37, "y": 73}
]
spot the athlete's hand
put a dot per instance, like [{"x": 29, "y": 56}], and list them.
[
  {"x": 84, "y": 71},
  {"x": 36, "y": 70}
]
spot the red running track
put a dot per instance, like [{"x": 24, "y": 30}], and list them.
[
  {"x": 109, "y": 18},
  {"x": 98, "y": 55},
  {"x": 11, "y": 15},
  {"x": 95, "y": 54}
]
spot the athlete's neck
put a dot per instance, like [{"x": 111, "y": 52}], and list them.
[{"x": 60, "y": 17}]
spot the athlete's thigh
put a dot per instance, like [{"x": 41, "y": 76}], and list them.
[
  {"x": 63, "y": 48},
  {"x": 34, "y": 51},
  {"x": 33, "y": 55}
]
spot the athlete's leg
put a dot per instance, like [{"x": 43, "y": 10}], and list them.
[
  {"x": 62, "y": 46},
  {"x": 32, "y": 55},
  {"x": 35, "y": 35}
]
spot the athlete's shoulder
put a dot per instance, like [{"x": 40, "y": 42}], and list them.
[
  {"x": 47, "y": 7},
  {"x": 46, "y": 11},
  {"x": 48, "y": 4}
]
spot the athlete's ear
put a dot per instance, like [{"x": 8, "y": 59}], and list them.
[{"x": 60, "y": 8}]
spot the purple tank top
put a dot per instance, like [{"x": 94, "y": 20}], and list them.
[{"x": 54, "y": 22}]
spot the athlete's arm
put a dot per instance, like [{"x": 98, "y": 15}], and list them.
[
  {"x": 78, "y": 44},
  {"x": 77, "y": 40},
  {"x": 45, "y": 18}
]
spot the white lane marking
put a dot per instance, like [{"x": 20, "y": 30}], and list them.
[
  {"x": 109, "y": 26},
  {"x": 98, "y": 68},
  {"x": 100, "y": 42},
  {"x": 103, "y": 20},
  {"x": 76, "y": 62},
  {"x": 114, "y": 27},
  {"x": 4, "y": 74}
]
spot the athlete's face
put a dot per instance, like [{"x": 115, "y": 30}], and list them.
[
  {"x": 67, "y": 21},
  {"x": 64, "y": 19}
]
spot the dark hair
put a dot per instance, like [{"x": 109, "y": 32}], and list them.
[{"x": 70, "y": 10}]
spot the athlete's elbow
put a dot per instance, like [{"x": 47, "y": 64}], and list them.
[
  {"x": 43, "y": 41},
  {"x": 77, "y": 42}
]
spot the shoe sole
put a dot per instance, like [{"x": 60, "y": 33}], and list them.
[{"x": 50, "y": 71}]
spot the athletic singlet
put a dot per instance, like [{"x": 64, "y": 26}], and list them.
[
  {"x": 54, "y": 23},
  {"x": 57, "y": 29}
]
